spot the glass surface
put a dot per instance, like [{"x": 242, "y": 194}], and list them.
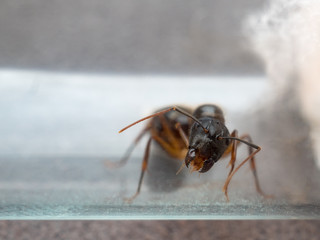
[{"x": 58, "y": 130}]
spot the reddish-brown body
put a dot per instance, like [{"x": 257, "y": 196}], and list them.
[
  {"x": 200, "y": 137},
  {"x": 163, "y": 129}
]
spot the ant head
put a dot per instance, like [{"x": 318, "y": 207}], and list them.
[{"x": 205, "y": 146}]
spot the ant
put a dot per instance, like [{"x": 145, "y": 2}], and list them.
[{"x": 200, "y": 138}]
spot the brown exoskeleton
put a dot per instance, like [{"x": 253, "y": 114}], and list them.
[{"x": 199, "y": 137}]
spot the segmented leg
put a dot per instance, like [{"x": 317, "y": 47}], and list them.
[
  {"x": 146, "y": 158},
  {"x": 234, "y": 146},
  {"x": 182, "y": 134},
  {"x": 171, "y": 144},
  {"x": 127, "y": 154},
  {"x": 185, "y": 140},
  {"x": 250, "y": 157},
  {"x": 253, "y": 167},
  {"x": 168, "y": 133},
  {"x": 143, "y": 169}
]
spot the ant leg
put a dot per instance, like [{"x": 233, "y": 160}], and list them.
[
  {"x": 233, "y": 149},
  {"x": 126, "y": 156},
  {"x": 185, "y": 140},
  {"x": 171, "y": 145},
  {"x": 168, "y": 132},
  {"x": 182, "y": 134},
  {"x": 225, "y": 187},
  {"x": 253, "y": 167},
  {"x": 143, "y": 169},
  {"x": 250, "y": 157}
]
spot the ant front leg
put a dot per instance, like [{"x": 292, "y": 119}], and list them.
[
  {"x": 233, "y": 149},
  {"x": 182, "y": 134},
  {"x": 185, "y": 140},
  {"x": 143, "y": 169}
]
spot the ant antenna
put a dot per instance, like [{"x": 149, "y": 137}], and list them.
[
  {"x": 240, "y": 140},
  {"x": 165, "y": 111}
]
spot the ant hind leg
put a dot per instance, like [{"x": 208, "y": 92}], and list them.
[{"x": 125, "y": 158}]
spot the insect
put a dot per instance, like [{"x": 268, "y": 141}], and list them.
[{"x": 198, "y": 137}]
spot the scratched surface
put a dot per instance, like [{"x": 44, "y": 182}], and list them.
[{"x": 56, "y": 136}]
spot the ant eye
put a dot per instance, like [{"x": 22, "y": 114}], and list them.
[{"x": 192, "y": 153}]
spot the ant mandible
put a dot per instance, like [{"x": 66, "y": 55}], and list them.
[{"x": 200, "y": 138}]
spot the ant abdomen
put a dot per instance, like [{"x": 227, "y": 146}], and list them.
[{"x": 209, "y": 110}]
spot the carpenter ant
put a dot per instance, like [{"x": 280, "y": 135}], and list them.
[{"x": 199, "y": 137}]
